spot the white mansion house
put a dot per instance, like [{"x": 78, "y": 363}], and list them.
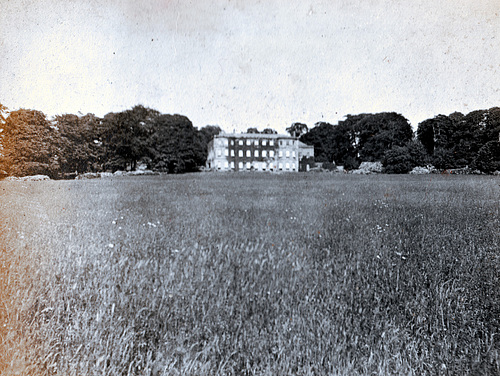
[{"x": 258, "y": 152}]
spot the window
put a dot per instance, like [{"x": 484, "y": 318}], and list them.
[
  {"x": 226, "y": 152},
  {"x": 270, "y": 166},
  {"x": 256, "y": 153},
  {"x": 249, "y": 142},
  {"x": 240, "y": 165},
  {"x": 293, "y": 154},
  {"x": 226, "y": 164},
  {"x": 264, "y": 142},
  {"x": 240, "y": 142},
  {"x": 232, "y": 165},
  {"x": 232, "y": 152},
  {"x": 280, "y": 166},
  {"x": 248, "y": 165},
  {"x": 256, "y": 143},
  {"x": 281, "y": 142},
  {"x": 232, "y": 142},
  {"x": 287, "y": 142},
  {"x": 271, "y": 153},
  {"x": 219, "y": 152},
  {"x": 287, "y": 153},
  {"x": 271, "y": 142},
  {"x": 240, "y": 153},
  {"x": 249, "y": 153},
  {"x": 287, "y": 166},
  {"x": 280, "y": 154},
  {"x": 219, "y": 164},
  {"x": 293, "y": 166},
  {"x": 226, "y": 142},
  {"x": 264, "y": 153}
]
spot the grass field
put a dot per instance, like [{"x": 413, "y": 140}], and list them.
[{"x": 251, "y": 274}]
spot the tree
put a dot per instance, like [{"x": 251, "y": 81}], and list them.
[
  {"x": 297, "y": 129},
  {"x": 269, "y": 131},
  {"x": 127, "y": 136},
  {"x": 377, "y": 133},
  {"x": 321, "y": 137},
  {"x": 488, "y": 157},
  {"x": 397, "y": 160},
  {"x": 425, "y": 134},
  {"x": 81, "y": 145},
  {"x": 333, "y": 143},
  {"x": 438, "y": 136},
  {"x": 345, "y": 142},
  {"x": 443, "y": 158},
  {"x": 455, "y": 140},
  {"x": 357, "y": 138},
  {"x": 177, "y": 145},
  {"x": 468, "y": 137},
  {"x": 30, "y": 145},
  {"x": 206, "y": 135},
  {"x": 418, "y": 154},
  {"x": 493, "y": 124},
  {"x": 209, "y": 131},
  {"x": 402, "y": 159},
  {"x": 253, "y": 130}
]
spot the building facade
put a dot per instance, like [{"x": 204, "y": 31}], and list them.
[{"x": 257, "y": 152}]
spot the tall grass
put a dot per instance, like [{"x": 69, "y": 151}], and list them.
[{"x": 251, "y": 274}]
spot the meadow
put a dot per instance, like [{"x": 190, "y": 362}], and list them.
[{"x": 251, "y": 274}]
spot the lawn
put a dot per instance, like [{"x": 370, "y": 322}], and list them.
[{"x": 251, "y": 274}]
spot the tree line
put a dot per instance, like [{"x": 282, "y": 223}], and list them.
[
  {"x": 68, "y": 144},
  {"x": 65, "y": 145},
  {"x": 449, "y": 142}
]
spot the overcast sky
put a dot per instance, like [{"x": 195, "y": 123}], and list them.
[{"x": 250, "y": 63}]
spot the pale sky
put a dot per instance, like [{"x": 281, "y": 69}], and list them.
[{"x": 250, "y": 63}]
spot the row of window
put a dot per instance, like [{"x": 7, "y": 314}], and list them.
[
  {"x": 257, "y": 153},
  {"x": 257, "y": 142},
  {"x": 260, "y": 166}
]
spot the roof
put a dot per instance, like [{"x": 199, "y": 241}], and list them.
[
  {"x": 254, "y": 135},
  {"x": 302, "y": 145}
]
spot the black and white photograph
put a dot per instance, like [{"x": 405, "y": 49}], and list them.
[{"x": 249, "y": 187}]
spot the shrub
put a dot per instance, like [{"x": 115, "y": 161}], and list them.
[{"x": 397, "y": 160}]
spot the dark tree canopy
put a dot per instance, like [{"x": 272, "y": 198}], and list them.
[
  {"x": 177, "y": 145},
  {"x": 380, "y": 132},
  {"x": 269, "y": 131},
  {"x": 455, "y": 141},
  {"x": 30, "y": 144},
  {"x": 127, "y": 135},
  {"x": 358, "y": 138},
  {"x": 68, "y": 144},
  {"x": 297, "y": 129},
  {"x": 488, "y": 157},
  {"x": 322, "y": 138},
  {"x": 80, "y": 143},
  {"x": 209, "y": 131},
  {"x": 402, "y": 159},
  {"x": 252, "y": 130}
]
